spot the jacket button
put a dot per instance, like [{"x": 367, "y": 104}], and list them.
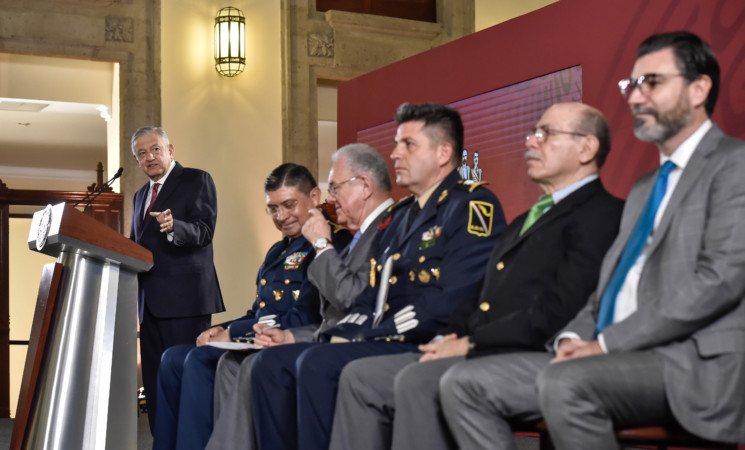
[
  {"x": 500, "y": 265},
  {"x": 484, "y": 306}
]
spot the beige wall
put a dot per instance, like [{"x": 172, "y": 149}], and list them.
[
  {"x": 24, "y": 286},
  {"x": 230, "y": 127},
  {"x": 492, "y": 12}
]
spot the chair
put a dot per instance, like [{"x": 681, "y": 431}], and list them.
[{"x": 660, "y": 438}]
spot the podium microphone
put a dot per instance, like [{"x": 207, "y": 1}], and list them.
[{"x": 99, "y": 190}]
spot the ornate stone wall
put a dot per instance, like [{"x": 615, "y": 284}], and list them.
[
  {"x": 340, "y": 45},
  {"x": 123, "y": 31}
]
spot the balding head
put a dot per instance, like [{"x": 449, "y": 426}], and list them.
[{"x": 572, "y": 141}]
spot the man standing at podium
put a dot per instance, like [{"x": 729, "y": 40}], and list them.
[{"x": 174, "y": 217}]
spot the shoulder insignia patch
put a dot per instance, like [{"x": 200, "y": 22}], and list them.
[{"x": 480, "y": 215}]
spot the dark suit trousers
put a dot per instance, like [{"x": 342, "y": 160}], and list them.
[
  {"x": 300, "y": 381},
  {"x": 156, "y": 335}
]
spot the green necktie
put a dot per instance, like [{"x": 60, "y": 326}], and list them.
[{"x": 537, "y": 211}]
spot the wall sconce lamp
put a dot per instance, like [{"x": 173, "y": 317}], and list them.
[{"x": 230, "y": 50}]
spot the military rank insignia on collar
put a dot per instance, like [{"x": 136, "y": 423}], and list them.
[
  {"x": 429, "y": 237},
  {"x": 294, "y": 260},
  {"x": 480, "y": 215}
]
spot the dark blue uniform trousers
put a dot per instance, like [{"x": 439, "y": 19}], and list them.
[
  {"x": 186, "y": 380},
  {"x": 294, "y": 390}
]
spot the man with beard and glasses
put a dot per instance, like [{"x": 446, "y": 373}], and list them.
[{"x": 662, "y": 339}]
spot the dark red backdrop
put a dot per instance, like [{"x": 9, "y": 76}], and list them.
[{"x": 599, "y": 36}]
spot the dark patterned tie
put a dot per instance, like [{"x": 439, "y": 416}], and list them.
[{"x": 152, "y": 198}]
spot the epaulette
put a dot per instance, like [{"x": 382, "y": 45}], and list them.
[
  {"x": 469, "y": 185},
  {"x": 404, "y": 201},
  {"x": 335, "y": 227}
]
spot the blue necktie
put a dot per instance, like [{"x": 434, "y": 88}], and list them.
[
  {"x": 634, "y": 247},
  {"x": 351, "y": 245},
  {"x": 355, "y": 239}
]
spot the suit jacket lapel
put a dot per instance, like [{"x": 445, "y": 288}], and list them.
[
  {"x": 688, "y": 178},
  {"x": 169, "y": 187}
]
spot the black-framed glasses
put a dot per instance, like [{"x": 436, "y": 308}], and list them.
[
  {"x": 542, "y": 133},
  {"x": 646, "y": 83},
  {"x": 285, "y": 206},
  {"x": 334, "y": 187}
]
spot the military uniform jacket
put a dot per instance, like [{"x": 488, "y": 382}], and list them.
[
  {"x": 535, "y": 283},
  {"x": 437, "y": 262},
  {"x": 282, "y": 285}
]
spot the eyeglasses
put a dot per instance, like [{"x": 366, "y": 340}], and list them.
[
  {"x": 285, "y": 206},
  {"x": 334, "y": 187},
  {"x": 646, "y": 83},
  {"x": 141, "y": 154},
  {"x": 542, "y": 133}
]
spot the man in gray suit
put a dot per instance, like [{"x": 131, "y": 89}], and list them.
[
  {"x": 662, "y": 339},
  {"x": 359, "y": 188}
]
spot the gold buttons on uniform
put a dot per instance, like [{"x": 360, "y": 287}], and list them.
[
  {"x": 379, "y": 267},
  {"x": 412, "y": 275},
  {"x": 386, "y": 307},
  {"x": 484, "y": 306},
  {"x": 263, "y": 282},
  {"x": 287, "y": 281},
  {"x": 424, "y": 276},
  {"x": 500, "y": 265},
  {"x": 262, "y": 305},
  {"x": 393, "y": 280},
  {"x": 396, "y": 256},
  {"x": 422, "y": 259}
]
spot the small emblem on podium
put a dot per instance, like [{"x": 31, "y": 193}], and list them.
[{"x": 44, "y": 225}]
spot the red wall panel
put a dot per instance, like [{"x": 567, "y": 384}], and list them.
[{"x": 599, "y": 36}]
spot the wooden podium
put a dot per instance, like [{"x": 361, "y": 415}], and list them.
[{"x": 79, "y": 384}]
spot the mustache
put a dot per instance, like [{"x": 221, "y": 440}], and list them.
[
  {"x": 639, "y": 109},
  {"x": 532, "y": 154}
]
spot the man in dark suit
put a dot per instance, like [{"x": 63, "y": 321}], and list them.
[
  {"x": 535, "y": 282},
  {"x": 432, "y": 250},
  {"x": 174, "y": 217},
  {"x": 359, "y": 188},
  {"x": 662, "y": 339}
]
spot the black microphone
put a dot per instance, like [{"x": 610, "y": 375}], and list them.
[{"x": 99, "y": 189}]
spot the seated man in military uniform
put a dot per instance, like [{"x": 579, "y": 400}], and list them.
[{"x": 284, "y": 297}]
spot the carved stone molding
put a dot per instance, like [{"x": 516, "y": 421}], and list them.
[
  {"x": 119, "y": 29},
  {"x": 320, "y": 45}
]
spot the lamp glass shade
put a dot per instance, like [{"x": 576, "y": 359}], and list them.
[{"x": 230, "y": 34}]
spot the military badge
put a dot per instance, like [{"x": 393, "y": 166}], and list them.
[
  {"x": 442, "y": 196},
  {"x": 278, "y": 295},
  {"x": 295, "y": 294},
  {"x": 293, "y": 261},
  {"x": 480, "y": 218},
  {"x": 429, "y": 237}
]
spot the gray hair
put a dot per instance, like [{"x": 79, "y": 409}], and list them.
[
  {"x": 147, "y": 130},
  {"x": 364, "y": 159}
]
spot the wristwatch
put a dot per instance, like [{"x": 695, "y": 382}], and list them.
[{"x": 321, "y": 243}]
